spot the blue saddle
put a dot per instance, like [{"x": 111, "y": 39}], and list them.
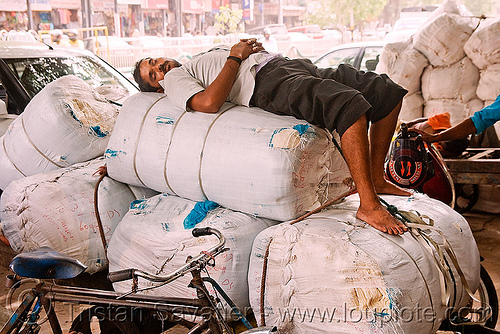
[{"x": 46, "y": 263}]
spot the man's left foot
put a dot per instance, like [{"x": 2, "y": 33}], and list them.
[{"x": 389, "y": 188}]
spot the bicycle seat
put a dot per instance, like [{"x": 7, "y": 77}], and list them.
[{"x": 45, "y": 263}]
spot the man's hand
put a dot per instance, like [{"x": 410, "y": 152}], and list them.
[
  {"x": 245, "y": 48},
  {"x": 428, "y": 137}
]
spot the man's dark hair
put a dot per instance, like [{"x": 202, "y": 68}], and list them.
[{"x": 143, "y": 86}]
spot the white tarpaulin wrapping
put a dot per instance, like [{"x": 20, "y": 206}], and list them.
[
  {"x": 67, "y": 122},
  {"x": 242, "y": 158},
  {"x": 442, "y": 39},
  {"x": 483, "y": 45},
  {"x": 332, "y": 273},
  {"x": 56, "y": 209},
  {"x": 153, "y": 236},
  {"x": 489, "y": 83},
  {"x": 457, "y": 109}
]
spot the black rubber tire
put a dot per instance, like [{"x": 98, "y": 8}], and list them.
[
  {"x": 466, "y": 197},
  {"x": 487, "y": 284},
  {"x": 110, "y": 322}
]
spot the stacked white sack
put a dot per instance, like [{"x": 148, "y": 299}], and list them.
[
  {"x": 403, "y": 64},
  {"x": 450, "y": 81},
  {"x": 332, "y": 273},
  {"x": 67, "y": 122},
  {"x": 56, "y": 209},
  {"x": 242, "y": 158},
  {"x": 154, "y": 237},
  {"x": 442, "y": 39}
]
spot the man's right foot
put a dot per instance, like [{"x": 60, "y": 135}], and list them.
[{"x": 382, "y": 220}]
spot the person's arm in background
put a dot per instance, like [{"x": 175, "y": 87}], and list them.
[
  {"x": 211, "y": 99},
  {"x": 481, "y": 120}
]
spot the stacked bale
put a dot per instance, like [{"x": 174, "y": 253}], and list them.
[
  {"x": 56, "y": 209},
  {"x": 155, "y": 236},
  {"x": 450, "y": 81},
  {"x": 332, "y": 273},
  {"x": 245, "y": 159},
  {"x": 447, "y": 80},
  {"x": 67, "y": 122}
]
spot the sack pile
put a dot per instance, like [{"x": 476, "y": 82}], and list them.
[
  {"x": 67, "y": 122},
  {"x": 445, "y": 75},
  {"x": 331, "y": 273}
]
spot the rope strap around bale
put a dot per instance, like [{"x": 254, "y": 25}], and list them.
[
  {"x": 420, "y": 229},
  {"x": 139, "y": 138},
  {"x": 96, "y": 211}
]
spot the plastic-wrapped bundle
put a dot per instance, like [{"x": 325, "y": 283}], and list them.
[
  {"x": 243, "y": 158},
  {"x": 155, "y": 236},
  {"x": 457, "y": 109},
  {"x": 457, "y": 81},
  {"x": 482, "y": 46},
  {"x": 332, "y": 273},
  {"x": 67, "y": 122},
  {"x": 56, "y": 209},
  {"x": 442, "y": 39}
]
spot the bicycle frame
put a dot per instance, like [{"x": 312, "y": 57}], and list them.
[{"x": 46, "y": 294}]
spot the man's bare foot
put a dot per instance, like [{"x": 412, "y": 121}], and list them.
[
  {"x": 382, "y": 220},
  {"x": 388, "y": 188}
]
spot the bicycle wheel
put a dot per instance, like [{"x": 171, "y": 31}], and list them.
[{"x": 104, "y": 320}]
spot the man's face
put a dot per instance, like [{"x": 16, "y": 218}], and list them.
[{"x": 153, "y": 70}]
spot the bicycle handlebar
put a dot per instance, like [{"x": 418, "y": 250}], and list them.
[
  {"x": 196, "y": 262},
  {"x": 121, "y": 275}
]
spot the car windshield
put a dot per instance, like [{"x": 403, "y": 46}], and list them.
[
  {"x": 36, "y": 73},
  {"x": 335, "y": 58}
]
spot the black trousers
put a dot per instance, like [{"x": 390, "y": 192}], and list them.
[{"x": 330, "y": 98}]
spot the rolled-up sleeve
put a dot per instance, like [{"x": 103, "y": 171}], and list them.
[
  {"x": 180, "y": 86},
  {"x": 487, "y": 116}
]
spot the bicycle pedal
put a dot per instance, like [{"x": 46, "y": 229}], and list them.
[{"x": 11, "y": 280}]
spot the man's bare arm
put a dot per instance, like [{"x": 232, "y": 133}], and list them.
[
  {"x": 213, "y": 97},
  {"x": 461, "y": 130}
]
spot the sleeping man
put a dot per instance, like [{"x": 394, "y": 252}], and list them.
[{"x": 343, "y": 99}]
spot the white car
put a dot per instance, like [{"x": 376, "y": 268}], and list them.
[
  {"x": 363, "y": 55},
  {"x": 27, "y": 67}
]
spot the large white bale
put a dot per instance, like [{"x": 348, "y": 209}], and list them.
[
  {"x": 243, "y": 158},
  {"x": 403, "y": 64},
  {"x": 457, "y": 109},
  {"x": 67, "y": 122},
  {"x": 458, "y": 81},
  {"x": 442, "y": 39},
  {"x": 155, "y": 236},
  {"x": 489, "y": 83},
  {"x": 56, "y": 209},
  {"x": 483, "y": 46},
  {"x": 413, "y": 107},
  {"x": 332, "y": 273}
]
